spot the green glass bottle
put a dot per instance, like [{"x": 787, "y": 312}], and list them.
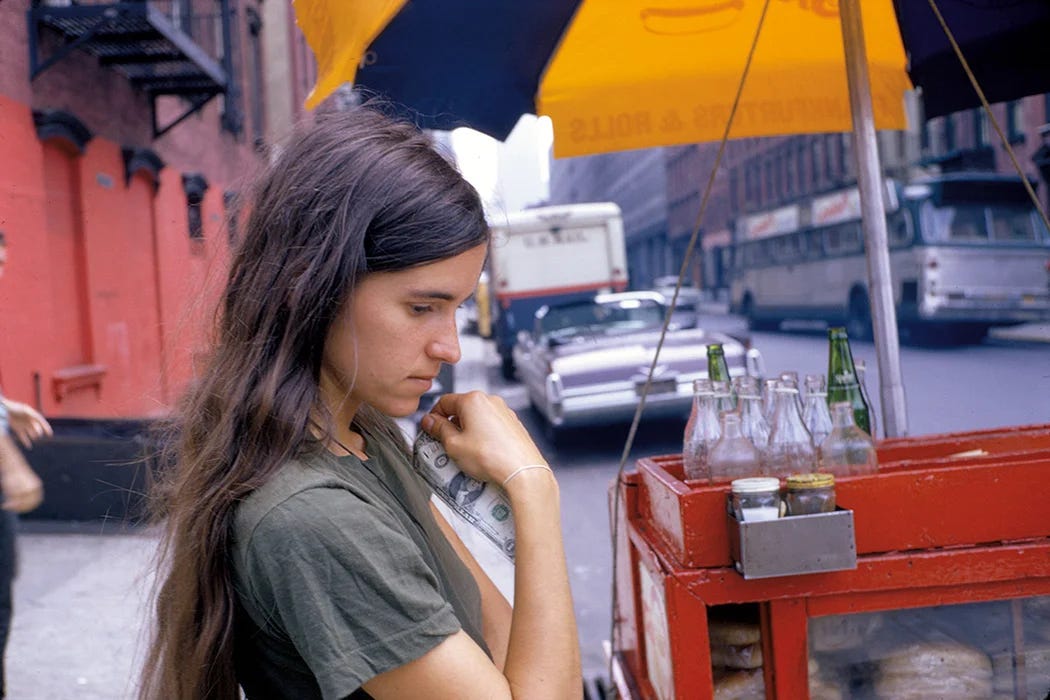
[
  {"x": 718, "y": 373},
  {"x": 717, "y": 369},
  {"x": 843, "y": 384}
]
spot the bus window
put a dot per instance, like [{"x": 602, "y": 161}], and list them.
[
  {"x": 814, "y": 244},
  {"x": 1015, "y": 224},
  {"x": 844, "y": 238},
  {"x": 785, "y": 248},
  {"x": 899, "y": 230}
]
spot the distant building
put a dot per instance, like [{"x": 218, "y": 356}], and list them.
[{"x": 635, "y": 180}]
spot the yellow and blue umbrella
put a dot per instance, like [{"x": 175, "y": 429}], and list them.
[{"x": 621, "y": 74}]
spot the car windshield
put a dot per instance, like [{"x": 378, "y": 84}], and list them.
[{"x": 603, "y": 319}]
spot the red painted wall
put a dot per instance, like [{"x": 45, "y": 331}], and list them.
[{"x": 101, "y": 272}]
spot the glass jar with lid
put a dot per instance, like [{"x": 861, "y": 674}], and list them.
[
  {"x": 807, "y": 494},
  {"x": 756, "y": 498}
]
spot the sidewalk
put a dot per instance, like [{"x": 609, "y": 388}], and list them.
[{"x": 82, "y": 593}]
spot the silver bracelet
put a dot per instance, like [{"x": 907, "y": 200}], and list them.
[{"x": 519, "y": 470}]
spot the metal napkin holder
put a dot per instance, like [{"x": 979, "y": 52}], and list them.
[{"x": 792, "y": 545}]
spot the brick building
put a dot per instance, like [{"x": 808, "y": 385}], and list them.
[{"x": 126, "y": 130}]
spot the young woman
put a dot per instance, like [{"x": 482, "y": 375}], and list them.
[{"x": 303, "y": 558}]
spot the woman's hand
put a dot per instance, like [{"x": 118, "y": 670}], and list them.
[{"x": 482, "y": 434}]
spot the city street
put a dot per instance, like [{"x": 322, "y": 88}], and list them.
[{"x": 82, "y": 589}]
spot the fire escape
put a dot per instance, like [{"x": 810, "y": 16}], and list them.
[{"x": 166, "y": 48}]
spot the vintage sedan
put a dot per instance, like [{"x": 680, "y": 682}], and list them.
[{"x": 586, "y": 362}]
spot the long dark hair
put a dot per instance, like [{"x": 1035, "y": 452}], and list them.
[{"x": 353, "y": 193}]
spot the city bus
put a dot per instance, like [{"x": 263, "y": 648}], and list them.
[{"x": 968, "y": 251}]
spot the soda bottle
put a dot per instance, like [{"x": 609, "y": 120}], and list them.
[
  {"x": 723, "y": 395},
  {"x": 815, "y": 413},
  {"x": 701, "y": 433},
  {"x": 848, "y": 450},
  {"x": 753, "y": 423},
  {"x": 790, "y": 380},
  {"x": 769, "y": 398},
  {"x": 733, "y": 456},
  {"x": 791, "y": 448},
  {"x": 872, "y": 417},
  {"x": 718, "y": 371},
  {"x": 842, "y": 379}
]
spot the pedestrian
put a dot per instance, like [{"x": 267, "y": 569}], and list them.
[
  {"x": 21, "y": 488},
  {"x": 302, "y": 555}
]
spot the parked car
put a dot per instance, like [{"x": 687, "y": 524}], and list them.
[
  {"x": 586, "y": 362},
  {"x": 689, "y": 297}
]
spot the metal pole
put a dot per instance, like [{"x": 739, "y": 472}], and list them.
[{"x": 873, "y": 211}]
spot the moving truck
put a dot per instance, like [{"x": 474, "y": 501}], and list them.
[{"x": 551, "y": 254}]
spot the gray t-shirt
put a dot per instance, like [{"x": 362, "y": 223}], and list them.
[{"x": 342, "y": 574}]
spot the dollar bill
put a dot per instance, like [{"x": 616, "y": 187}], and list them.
[{"x": 485, "y": 506}]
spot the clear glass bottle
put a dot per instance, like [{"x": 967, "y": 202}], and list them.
[
  {"x": 789, "y": 379},
  {"x": 842, "y": 378},
  {"x": 862, "y": 368},
  {"x": 733, "y": 456},
  {"x": 769, "y": 398},
  {"x": 791, "y": 448},
  {"x": 724, "y": 395},
  {"x": 848, "y": 450},
  {"x": 753, "y": 423},
  {"x": 702, "y": 432},
  {"x": 815, "y": 414}
]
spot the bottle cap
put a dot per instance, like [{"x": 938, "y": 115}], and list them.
[
  {"x": 813, "y": 480},
  {"x": 755, "y": 484}
]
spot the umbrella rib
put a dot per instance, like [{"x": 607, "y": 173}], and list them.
[{"x": 988, "y": 111}]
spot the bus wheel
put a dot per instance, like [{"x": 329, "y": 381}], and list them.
[
  {"x": 858, "y": 317},
  {"x": 747, "y": 310}
]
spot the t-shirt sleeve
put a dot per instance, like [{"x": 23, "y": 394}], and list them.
[{"x": 348, "y": 586}]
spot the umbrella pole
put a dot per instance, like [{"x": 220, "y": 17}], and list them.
[{"x": 870, "y": 183}]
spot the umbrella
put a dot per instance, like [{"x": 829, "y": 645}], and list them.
[{"x": 642, "y": 73}]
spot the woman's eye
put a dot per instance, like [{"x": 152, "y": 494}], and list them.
[{"x": 421, "y": 309}]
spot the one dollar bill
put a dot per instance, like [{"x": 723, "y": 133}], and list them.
[{"x": 483, "y": 505}]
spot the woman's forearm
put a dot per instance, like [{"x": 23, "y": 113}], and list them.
[{"x": 543, "y": 656}]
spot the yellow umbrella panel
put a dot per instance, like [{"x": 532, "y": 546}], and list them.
[{"x": 642, "y": 73}]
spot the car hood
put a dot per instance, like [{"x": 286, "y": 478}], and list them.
[{"x": 620, "y": 358}]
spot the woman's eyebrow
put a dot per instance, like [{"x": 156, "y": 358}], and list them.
[{"x": 431, "y": 294}]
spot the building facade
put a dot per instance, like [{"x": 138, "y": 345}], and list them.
[
  {"x": 759, "y": 174},
  {"x": 126, "y": 134},
  {"x": 637, "y": 182}
]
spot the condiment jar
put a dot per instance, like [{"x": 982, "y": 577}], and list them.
[
  {"x": 810, "y": 493},
  {"x": 756, "y": 498}
]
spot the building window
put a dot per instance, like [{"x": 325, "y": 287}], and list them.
[
  {"x": 981, "y": 133},
  {"x": 195, "y": 186},
  {"x": 830, "y": 144},
  {"x": 767, "y": 194},
  {"x": 924, "y": 137},
  {"x": 816, "y": 146},
  {"x": 1014, "y": 121}
]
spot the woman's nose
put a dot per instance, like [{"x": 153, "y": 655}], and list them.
[{"x": 446, "y": 346}]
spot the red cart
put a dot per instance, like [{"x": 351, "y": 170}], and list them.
[{"x": 951, "y": 583}]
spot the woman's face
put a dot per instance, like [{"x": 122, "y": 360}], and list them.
[{"x": 388, "y": 342}]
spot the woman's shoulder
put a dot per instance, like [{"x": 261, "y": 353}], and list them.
[{"x": 296, "y": 488}]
